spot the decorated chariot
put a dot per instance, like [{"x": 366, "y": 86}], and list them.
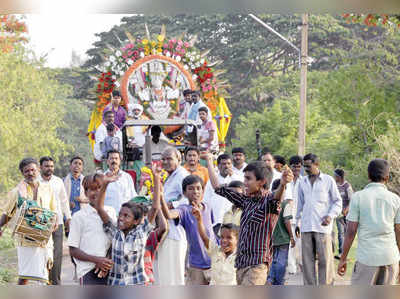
[{"x": 152, "y": 73}]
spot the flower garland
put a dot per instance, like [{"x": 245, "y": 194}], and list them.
[{"x": 147, "y": 188}]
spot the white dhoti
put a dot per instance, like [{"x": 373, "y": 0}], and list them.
[
  {"x": 294, "y": 257},
  {"x": 171, "y": 262},
  {"x": 32, "y": 263}
]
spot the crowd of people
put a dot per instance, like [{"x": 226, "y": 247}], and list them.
[{"x": 226, "y": 222}]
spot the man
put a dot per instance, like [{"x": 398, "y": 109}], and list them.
[
  {"x": 172, "y": 252},
  {"x": 239, "y": 161},
  {"x": 60, "y": 195},
  {"x": 123, "y": 189},
  {"x": 268, "y": 158},
  {"x": 219, "y": 204},
  {"x": 319, "y": 202},
  {"x": 158, "y": 144},
  {"x": 346, "y": 193},
  {"x": 187, "y": 103},
  {"x": 279, "y": 162},
  {"x": 33, "y": 262},
  {"x": 196, "y": 104},
  {"x": 294, "y": 259},
  {"x": 73, "y": 184},
  {"x": 192, "y": 165},
  {"x": 101, "y": 134},
  {"x": 136, "y": 134},
  {"x": 118, "y": 111},
  {"x": 375, "y": 215}
]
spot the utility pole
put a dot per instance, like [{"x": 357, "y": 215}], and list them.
[{"x": 303, "y": 85}]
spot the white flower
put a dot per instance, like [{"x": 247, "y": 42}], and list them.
[
  {"x": 185, "y": 67},
  {"x": 168, "y": 54},
  {"x": 178, "y": 58},
  {"x": 107, "y": 64},
  {"x": 198, "y": 64},
  {"x": 112, "y": 58},
  {"x": 191, "y": 58},
  {"x": 192, "y": 66},
  {"x": 118, "y": 53},
  {"x": 194, "y": 77},
  {"x": 130, "y": 61},
  {"x": 198, "y": 56},
  {"x": 202, "y": 60},
  {"x": 141, "y": 54}
]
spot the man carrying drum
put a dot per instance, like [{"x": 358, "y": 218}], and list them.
[{"x": 34, "y": 258}]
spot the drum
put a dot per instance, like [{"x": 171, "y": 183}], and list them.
[{"x": 33, "y": 224}]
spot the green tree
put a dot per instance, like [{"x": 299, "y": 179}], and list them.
[{"x": 32, "y": 110}]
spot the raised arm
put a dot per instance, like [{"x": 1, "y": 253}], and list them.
[
  {"x": 287, "y": 177},
  {"x": 102, "y": 195},
  {"x": 200, "y": 226},
  {"x": 156, "y": 206},
  {"x": 211, "y": 170}
]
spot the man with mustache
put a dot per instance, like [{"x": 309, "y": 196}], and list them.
[
  {"x": 319, "y": 203},
  {"x": 57, "y": 184},
  {"x": 123, "y": 189},
  {"x": 34, "y": 261}
]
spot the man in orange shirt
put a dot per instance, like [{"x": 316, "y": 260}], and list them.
[{"x": 192, "y": 165}]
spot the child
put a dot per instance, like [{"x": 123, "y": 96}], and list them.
[
  {"x": 281, "y": 239},
  {"x": 223, "y": 257},
  {"x": 233, "y": 216},
  {"x": 111, "y": 142},
  {"x": 199, "y": 261},
  {"x": 129, "y": 236},
  {"x": 208, "y": 139},
  {"x": 260, "y": 209},
  {"x": 88, "y": 244}
]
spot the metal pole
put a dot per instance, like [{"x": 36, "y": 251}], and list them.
[{"x": 303, "y": 85}]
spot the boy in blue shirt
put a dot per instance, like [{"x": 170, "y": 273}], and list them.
[{"x": 199, "y": 261}]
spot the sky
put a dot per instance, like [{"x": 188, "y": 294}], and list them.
[{"x": 57, "y": 35}]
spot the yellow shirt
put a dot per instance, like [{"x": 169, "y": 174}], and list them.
[{"x": 45, "y": 199}]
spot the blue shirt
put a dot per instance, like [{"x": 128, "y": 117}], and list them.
[
  {"x": 198, "y": 256},
  {"x": 75, "y": 192}
]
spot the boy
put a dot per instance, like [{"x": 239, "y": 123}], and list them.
[
  {"x": 199, "y": 261},
  {"x": 208, "y": 139},
  {"x": 233, "y": 216},
  {"x": 281, "y": 238},
  {"x": 111, "y": 142},
  {"x": 222, "y": 270},
  {"x": 260, "y": 212},
  {"x": 88, "y": 244}
]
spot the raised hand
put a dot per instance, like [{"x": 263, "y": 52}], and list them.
[
  {"x": 205, "y": 155},
  {"x": 110, "y": 178},
  {"x": 287, "y": 175},
  {"x": 196, "y": 213}
]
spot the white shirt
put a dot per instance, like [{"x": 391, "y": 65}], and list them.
[
  {"x": 295, "y": 189},
  {"x": 61, "y": 197},
  {"x": 173, "y": 191},
  {"x": 219, "y": 205},
  {"x": 120, "y": 191},
  {"x": 316, "y": 202},
  {"x": 101, "y": 133},
  {"x": 240, "y": 172},
  {"x": 87, "y": 234}
]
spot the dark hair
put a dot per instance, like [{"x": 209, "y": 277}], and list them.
[
  {"x": 223, "y": 157},
  {"x": 191, "y": 148},
  {"x": 204, "y": 109},
  {"x": 232, "y": 227},
  {"x": 266, "y": 150},
  {"x": 108, "y": 112},
  {"x": 275, "y": 184},
  {"x": 116, "y": 93},
  {"x": 25, "y": 162},
  {"x": 113, "y": 151},
  {"x": 238, "y": 150},
  {"x": 295, "y": 160},
  {"x": 92, "y": 179},
  {"x": 136, "y": 209},
  {"x": 236, "y": 184},
  {"x": 76, "y": 158},
  {"x": 110, "y": 127},
  {"x": 339, "y": 172},
  {"x": 280, "y": 159},
  {"x": 378, "y": 169},
  {"x": 191, "y": 179},
  {"x": 196, "y": 92},
  {"x": 187, "y": 91},
  {"x": 261, "y": 171},
  {"x": 46, "y": 159},
  {"x": 312, "y": 157}
]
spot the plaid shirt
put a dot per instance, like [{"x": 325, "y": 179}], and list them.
[
  {"x": 257, "y": 223},
  {"x": 128, "y": 253}
]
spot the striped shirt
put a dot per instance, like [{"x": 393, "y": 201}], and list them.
[{"x": 258, "y": 220}]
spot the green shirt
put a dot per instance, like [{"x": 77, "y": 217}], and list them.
[
  {"x": 376, "y": 210},
  {"x": 281, "y": 235}
]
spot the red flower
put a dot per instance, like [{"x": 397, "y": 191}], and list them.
[
  {"x": 98, "y": 85},
  {"x": 109, "y": 73}
]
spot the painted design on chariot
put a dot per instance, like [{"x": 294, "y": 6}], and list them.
[{"x": 154, "y": 71}]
